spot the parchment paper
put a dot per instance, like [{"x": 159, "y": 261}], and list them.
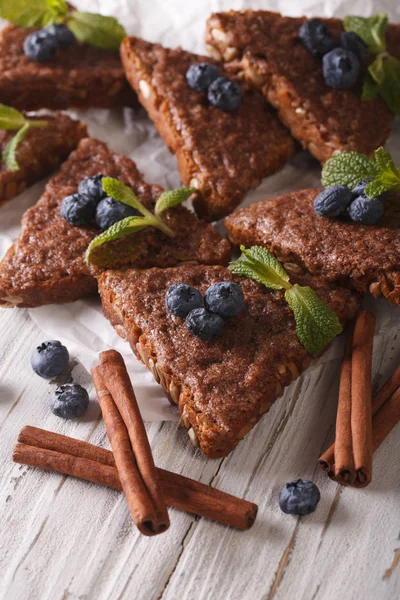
[{"x": 81, "y": 325}]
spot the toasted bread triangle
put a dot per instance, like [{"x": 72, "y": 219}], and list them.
[
  {"x": 222, "y": 154},
  {"x": 222, "y": 387}
]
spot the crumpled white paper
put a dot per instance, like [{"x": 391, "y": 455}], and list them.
[{"x": 81, "y": 325}]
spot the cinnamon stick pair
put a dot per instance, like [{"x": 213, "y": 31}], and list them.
[
  {"x": 361, "y": 424},
  {"x": 39, "y": 448}
]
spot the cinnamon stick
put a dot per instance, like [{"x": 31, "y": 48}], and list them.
[
  {"x": 385, "y": 419},
  {"x": 146, "y": 515},
  {"x": 327, "y": 460},
  {"x": 52, "y": 451}
]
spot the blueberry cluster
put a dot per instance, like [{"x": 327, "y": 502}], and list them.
[
  {"x": 338, "y": 200},
  {"x": 223, "y": 93},
  {"x": 299, "y": 497},
  {"x": 222, "y": 300},
  {"x": 42, "y": 45},
  {"x": 49, "y": 360},
  {"x": 91, "y": 205},
  {"x": 340, "y": 66}
]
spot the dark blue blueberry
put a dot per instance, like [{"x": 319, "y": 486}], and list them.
[
  {"x": 201, "y": 76},
  {"x": 63, "y": 36},
  {"x": 299, "y": 497},
  {"x": 91, "y": 187},
  {"x": 40, "y": 46},
  {"x": 316, "y": 37},
  {"x": 359, "y": 190},
  {"x": 351, "y": 41},
  {"x": 333, "y": 201},
  {"x": 69, "y": 401},
  {"x": 204, "y": 324},
  {"x": 225, "y": 94},
  {"x": 110, "y": 211},
  {"x": 366, "y": 211},
  {"x": 49, "y": 359},
  {"x": 181, "y": 299},
  {"x": 224, "y": 298},
  {"x": 78, "y": 210},
  {"x": 340, "y": 68}
]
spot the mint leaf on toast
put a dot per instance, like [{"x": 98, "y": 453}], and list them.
[
  {"x": 316, "y": 324},
  {"x": 9, "y": 152},
  {"x": 172, "y": 198},
  {"x": 26, "y": 13},
  {"x": 96, "y": 30},
  {"x": 259, "y": 264},
  {"x": 348, "y": 168},
  {"x": 115, "y": 232},
  {"x": 123, "y": 193},
  {"x": 10, "y": 118},
  {"x": 371, "y": 30}
]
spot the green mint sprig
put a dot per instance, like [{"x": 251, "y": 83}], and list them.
[
  {"x": 316, "y": 323},
  {"x": 122, "y": 193},
  {"x": 93, "y": 29},
  {"x": 383, "y": 75},
  {"x": 11, "y": 119},
  {"x": 349, "y": 168}
]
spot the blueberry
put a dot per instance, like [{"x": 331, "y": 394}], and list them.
[
  {"x": 225, "y": 94},
  {"x": 359, "y": 190},
  {"x": 49, "y": 359},
  {"x": 69, "y": 401},
  {"x": 63, "y": 36},
  {"x": 299, "y": 497},
  {"x": 110, "y": 211},
  {"x": 316, "y": 37},
  {"x": 333, "y": 201},
  {"x": 224, "y": 298},
  {"x": 351, "y": 41},
  {"x": 204, "y": 324},
  {"x": 91, "y": 187},
  {"x": 366, "y": 211},
  {"x": 181, "y": 299},
  {"x": 40, "y": 46},
  {"x": 78, "y": 210},
  {"x": 201, "y": 76},
  {"x": 340, "y": 68}
]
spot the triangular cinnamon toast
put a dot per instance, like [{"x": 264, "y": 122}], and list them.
[
  {"x": 46, "y": 264},
  {"x": 41, "y": 151},
  {"x": 222, "y": 154},
  {"x": 362, "y": 257},
  {"x": 264, "y": 48},
  {"x": 224, "y": 386},
  {"x": 80, "y": 76}
]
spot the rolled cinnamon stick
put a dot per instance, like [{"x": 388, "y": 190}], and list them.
[
  {"x": 114, "y": 373},
  {"x": 144, "y": 512},
  {"x": 385, "y": 419},
  {"x": 327, "y": 460},
  {"x": 53, "y": 451},
  {"x": 361, "y": 396}
]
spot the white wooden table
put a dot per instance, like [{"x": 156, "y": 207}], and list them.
[{"x": 64, "y": 539}]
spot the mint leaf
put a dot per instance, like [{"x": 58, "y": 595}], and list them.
[
  {"x": 370, "y": 88},
  {"x": 371, "y": 30},
  {"x": 384, "y": 160},
  {"x": 25, "y": 13},
  {"x": 377, "y": 70},
  {"x": 259, "y": 264},
  {"x": 115, "y": 232},
  {"x": 348, "y": 168},
  {"x": 316, "y": 323},
  {"x": 172, "y": 198},
  {"x": 389, "y": 89},
  {"x": 10, "y": 118},
  {"x": 9, "y": 152},
  {"x": 58, "y": 11},
  {"x": 376, "y": 188},
  {"x": 96, "y": 30},
  {"x": 123, "y": 193}
]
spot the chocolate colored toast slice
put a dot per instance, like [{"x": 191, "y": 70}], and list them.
[
  {"x": 41, "y": 151},
  {"x": 266, "y": 51},
  {"x": 222, "y": 154},
  {"x": 46, "y": 264},
  {"x": 80, "y": 76},
  {"x": 363, "y": 257},
  {"x": 222, "y": 387}
]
